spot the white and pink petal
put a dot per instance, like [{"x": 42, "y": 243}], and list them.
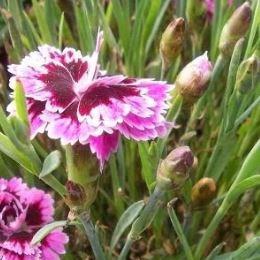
[{"x": 103, "y": 146}]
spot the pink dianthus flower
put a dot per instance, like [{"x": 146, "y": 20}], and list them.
[
  {"x": 74, "y": 101},
  {"x": 23, "y": 211}
]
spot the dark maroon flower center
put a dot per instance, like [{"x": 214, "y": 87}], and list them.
[
  {"x": 10, "y": 208},
  {"x": 103, "y": 94},
  {"x": 9, "y": 214}
]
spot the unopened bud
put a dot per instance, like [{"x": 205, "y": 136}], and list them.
[
  {"x": 235, "y": 28},
  {"x": 174, "y": 169},
  {"x": 192, "y": 81},
  {"x": 76, "y": 194},
  {"x": 195, "y": 13},
  {"x": 248, "y": 73},
  {"x": 172, "y": 41},
  {"x": 203, "y": 192}
]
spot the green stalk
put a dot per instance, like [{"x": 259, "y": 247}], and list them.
[
  {"x": 143, "y": 221},
  {"x": 92, "y": 235},
  {"x": 172, "y": 115},
  {"x": 118, "y": 202},
  {"x": 255, "y": 25},
  {"x": 82, "y": 170},
  {"x": 223, "y": 148},
  {"x": 178, "y": 229}
]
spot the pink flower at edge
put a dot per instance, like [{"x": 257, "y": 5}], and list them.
[
  {"x": 74, "y": 101},
  {"x": 210, "y": 7},
  {"x": 23, "y": 211}
]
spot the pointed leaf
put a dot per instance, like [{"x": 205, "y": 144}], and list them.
[
  {"x": 44, "y": 231},
  {"x": 246, "y": 251},
  {"x": 51, "y": 163},
  {"x": 125, "y": 221}
]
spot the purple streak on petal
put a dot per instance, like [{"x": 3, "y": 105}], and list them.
[
  {"x": 23, "y": 211},
  {"x": 35, "y": 110},
  {"x": 103, "y": 146},
  {"x": 73, "y": 60},
  {"x": 59, "y": 83},
  {"x": 99, "y": 94},
  {"x": 54, "y": 244},
  {"x": 40, "y": 207},
  {"x": 19, "y": 243},
  {"x": 64, "y": 126}
]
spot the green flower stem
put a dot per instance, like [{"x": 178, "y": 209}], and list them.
[
  {"x": 255, "y": 25},
  {"x": 223, "y": 148},
  {"x": 247, "y": 139},
  {"x": 172, "y": 115},
  {"x": 91, "y": 233},
  {"x": 118, "y": 202},
  {"x": 178, "y": 229},
  {"x": 211, "y": 228},
  {"x": 82, "y": 170},
  {"x": 255, "y": 223},
  {"x": 220, "y": 155},
  {"x": 143, "y": 221}
]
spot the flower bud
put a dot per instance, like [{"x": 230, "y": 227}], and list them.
[
  {"x": 76, "y": 193},
  {"x": 172, "y": 41},
  {"x": 192, "y": 81},
  {"x": 203, "y": 192},
  {"x": 174, "y": 169},
  {"x": 248, "y": 73},
  {"x": 235, "y": 28}
]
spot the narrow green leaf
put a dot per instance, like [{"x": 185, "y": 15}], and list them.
[
  {"x": 7, "y": 128},
  {"x": 51, "y": 19},
  {"x": 215, "y": 251},
  {"x": 248, "y": 111},
  {"x": 148, "y": 170},
  {"x": 83, "y": 27},
  {"x": 109, "y": 36},
  {"x": 20, "y": 103},
  {"x": 125, "y": 221},
  {"x": 156, "y": 26},
  {"x": 123, "y": 23},
  {"x": 4, "y": 170},
  {"x": 178, "y": 229},
  {"x": 7, "y": 147},
  {"x": 14, "y": 33},
  {"x": 51, "y": 163},
  {"x": 243, "y": 186},
  {"x": 61, "y": 30},
  {"x": 253, "y": 32},
  {"x": 32, "y": 30},
  {"x": 246, "y": 251},
  {"x": 44, "y": 231},
  {"x": 42, "y": 22},
  {"x": 15, "y": 7},
  {"x": 251, "y": 164}
]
